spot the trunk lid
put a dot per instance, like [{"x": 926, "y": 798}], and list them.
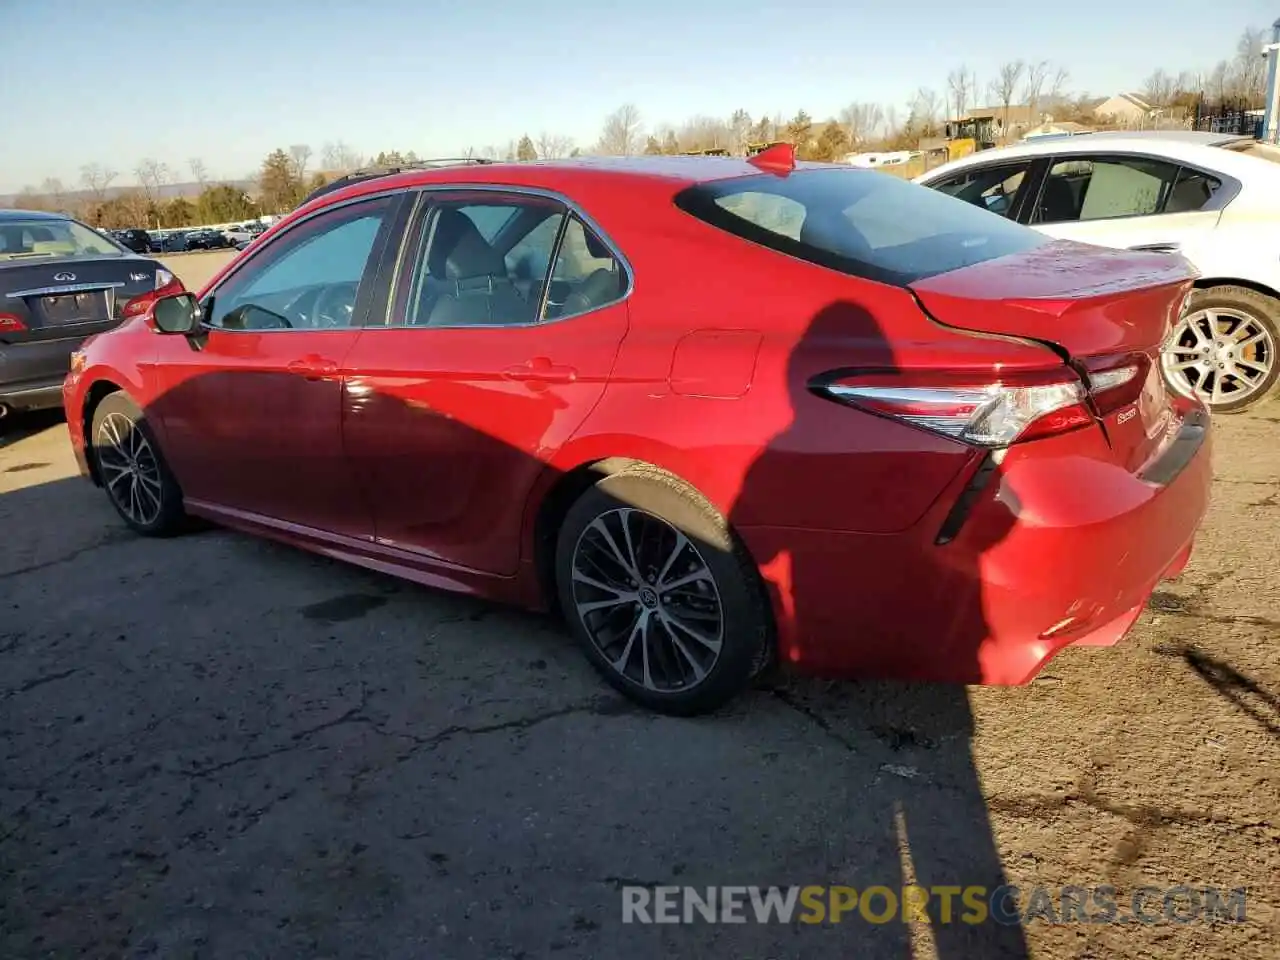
[
  {"x": 1108, "y": 312},
  {"x": 57, "y": 298}
]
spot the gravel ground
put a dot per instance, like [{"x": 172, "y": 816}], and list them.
[{"x": 215, "y": 746}]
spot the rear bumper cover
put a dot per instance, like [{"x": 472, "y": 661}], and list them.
[
  {"x": 31, "y": 396},
  {"x": 1060, "y": 547},
  {"x": 31, "y": 374}
]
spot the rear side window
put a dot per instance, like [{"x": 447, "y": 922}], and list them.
[{"x": 860, "y": 222}]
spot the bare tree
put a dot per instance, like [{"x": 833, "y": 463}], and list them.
[
  {"x": 1158, "y": 89},
  {"x": 959, "y": 83},
  {"x": 1005, "y": 87},
  {"x": 1249, "y": 69},
  {"x": 925, "y": 106},
  {"x": 861, "y": 122},
  {"x": 1218, "y": 85},
  {"x": 621, "y": 135},
  {"x": 740, "y": 130},
  {"x": 890, "y": 126},
  {"x": 198, "y": 171},
  {"x": 152, "y": 176},
  {"x": 55, "y": 193},
  {"x": 705, "y": 133},
  {"x": 1033, "y": 87},
  {"x": 96, "y": 179},
  {"x": 299, "y": 156},
  {"x": 1058, "y": 81},
  {"x": 337, "y": 157},
  {"x": 552, "y": 146}
]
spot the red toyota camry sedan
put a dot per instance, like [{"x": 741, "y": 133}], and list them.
[{"x": 719, "y": 413}]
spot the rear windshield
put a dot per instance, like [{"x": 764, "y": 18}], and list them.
[
  {"x": 862, "y": 222},
  {"x": 33, "y": 239}
]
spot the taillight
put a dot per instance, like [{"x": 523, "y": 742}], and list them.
[
  {"x": 994, "y": 413},
  {"x": 166, "y": 285},
  {"x": 1117, "y": 381},
  {"x": 11, "y": 323}
]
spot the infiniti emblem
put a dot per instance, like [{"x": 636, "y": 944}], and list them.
[{"x": 64, "y": 277}]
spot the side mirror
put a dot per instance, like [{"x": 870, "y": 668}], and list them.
[{"x": 177, "y": 314}]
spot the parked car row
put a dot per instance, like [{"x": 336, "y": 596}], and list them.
[
  {"x": 198, "y": 238},
  {"x": 720, "y": 413}
]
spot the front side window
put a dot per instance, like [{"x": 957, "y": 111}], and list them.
[
  {"x": 309, "y": 277},
  {"x": 860, "y": 222},
  {"x": 991, "y": 188},
  {"x": 1104, "y": 188}
]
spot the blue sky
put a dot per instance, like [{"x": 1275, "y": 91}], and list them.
[{"x": 228, "y": 80}]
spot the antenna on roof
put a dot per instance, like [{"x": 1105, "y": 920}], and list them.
[{"x": 779, "y": 158}]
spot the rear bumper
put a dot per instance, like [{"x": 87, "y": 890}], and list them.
[
  {"x": 31, "y": 396},
  {"x": 31, "y": 373},
  {"x": 1060, "y": 547}
]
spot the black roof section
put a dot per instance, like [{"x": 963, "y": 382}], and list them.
[
  {"x": 7, "y": 215},
  {"x": 371, "y": 173}
]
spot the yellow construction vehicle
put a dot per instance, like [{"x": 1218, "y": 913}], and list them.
[{"x": 969, "y": 135}]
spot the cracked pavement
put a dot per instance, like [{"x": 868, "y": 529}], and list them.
[{"x": 215, "y": 746}]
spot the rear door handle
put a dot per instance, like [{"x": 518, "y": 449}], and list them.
[
  {"x": 541, "y": 370},
  {"x": 313, "y": 367}
]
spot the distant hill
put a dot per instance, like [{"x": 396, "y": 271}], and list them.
[{"x": 169, "y": 191}]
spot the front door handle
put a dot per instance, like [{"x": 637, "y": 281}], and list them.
[
  {"x": 541, "y": 370},
  {"x": 313, "y": 367}
]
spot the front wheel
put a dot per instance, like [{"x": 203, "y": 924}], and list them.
[
  {"x": 663, "y": 600},
  {"x": 1223, "y": 351},
  {"x": 132, "y": 470}
]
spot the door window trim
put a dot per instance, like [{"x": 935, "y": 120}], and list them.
[
  {"x": 1229, "y": 190},
  {"x": 1026, "y": 164},
  {"x": 402, "y": 257},
  {"x": 392, "y": 221}
]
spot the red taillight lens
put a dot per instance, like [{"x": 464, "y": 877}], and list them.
[
  {"x": 986, "y": 414},
  {"x": 166, "y": 286},
  {"x": 11, "y": 323},
  {"x": 1117, "y": 381}
]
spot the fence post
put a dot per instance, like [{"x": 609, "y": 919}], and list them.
[{"x": 1272, "y": 53}]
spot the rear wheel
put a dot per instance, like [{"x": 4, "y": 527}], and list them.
[
  {"x": 1224, "y": 349},
  {"x": 664, "y": 602},
  {"x": 132, "y": 470}
]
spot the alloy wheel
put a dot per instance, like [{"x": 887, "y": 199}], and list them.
[
  {"x": 130, "y": 469},
  {"x": 1220, "y": 355},
  {"x": 648, "y": 600}
]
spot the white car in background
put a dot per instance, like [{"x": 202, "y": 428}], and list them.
[{"x": 1213, "y": 198}]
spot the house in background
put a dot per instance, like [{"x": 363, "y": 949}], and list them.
[
  {"x": 1008, "y": 123},
  {"x": 1125, "y": 108}
]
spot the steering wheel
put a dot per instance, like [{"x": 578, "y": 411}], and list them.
[{"x": 334, "y": 305}]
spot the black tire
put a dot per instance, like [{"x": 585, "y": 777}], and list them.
[
  {"x": 116, "y": 417},
  {"x": 644, "y": 494},
  {"x": 1265, "y": 311}
]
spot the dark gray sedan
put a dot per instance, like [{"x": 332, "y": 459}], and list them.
[{"x": 60, "y": 282}]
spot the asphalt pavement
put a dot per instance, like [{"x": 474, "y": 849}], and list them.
[{"x": 216, "y": 746}]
